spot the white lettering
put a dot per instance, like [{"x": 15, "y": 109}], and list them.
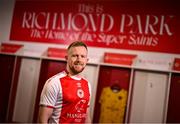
[
  {"x": 139, "y": 24},
  {"x": 76, "y": 115},
  {"x": 75, "y": 23},
  {"x": 165, "y": 25},
  {"x": 123, "y": 24},
  {"x": 143, "y": 40},
  {"x": 92, "y": 23},
  {"x": 149, "y": 26},
  {"x": 101, "y": 23},
  {"x": 26, "y": 20},
  {"x": 110, "y": 39}
]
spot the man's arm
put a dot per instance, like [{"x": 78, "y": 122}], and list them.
[
  {"x": 88, "y": 117},
  {"x": 44, "y": 114}
]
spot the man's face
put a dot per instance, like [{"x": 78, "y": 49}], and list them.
[{"x": 77, "y": 59}]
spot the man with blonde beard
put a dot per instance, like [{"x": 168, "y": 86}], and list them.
[{"x": 65, "y": 97}]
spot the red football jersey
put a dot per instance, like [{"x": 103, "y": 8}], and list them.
[{"x": 69, "y": 96}]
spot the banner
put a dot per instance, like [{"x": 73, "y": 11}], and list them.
[
  {"x": 117, "y": 58},
  {"x": 116, "y": 24},
  {"x": 9, "y": 48}
]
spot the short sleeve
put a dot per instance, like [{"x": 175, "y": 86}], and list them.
[
  {"x": 90, "y": 92},
  {"x": 50, "y": 93}
]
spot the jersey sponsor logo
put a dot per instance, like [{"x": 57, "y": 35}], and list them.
[
  {"x": 80, "y": 106},
  {"x": 76, "y": 115}
]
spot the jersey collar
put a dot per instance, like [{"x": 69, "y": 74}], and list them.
[{"x": 75, "y": 77}]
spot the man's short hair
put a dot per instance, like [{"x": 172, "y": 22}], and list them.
[{"x": 77, "y": 43}]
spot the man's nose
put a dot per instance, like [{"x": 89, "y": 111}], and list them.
[{"x": 78, "y": 57}]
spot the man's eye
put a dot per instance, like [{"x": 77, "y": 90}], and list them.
[
  {"x": 74, "y": 55},
  {"x": 83, "y": 56}
]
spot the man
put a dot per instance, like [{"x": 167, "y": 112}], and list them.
[{"x": 65, "y": 97}]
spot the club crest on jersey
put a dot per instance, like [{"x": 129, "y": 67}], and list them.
[{"x": 80, "y": 93}]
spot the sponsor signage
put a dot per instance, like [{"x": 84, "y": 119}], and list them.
[
  {"x": 116, "y": 58},
  {"x": 176, "y": 65},
  {"x": 56, "y": 52},
  {"x": 9, "y": 48}
]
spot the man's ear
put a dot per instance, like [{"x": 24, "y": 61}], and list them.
[
  {"x": 66, "y": 57},
  {"x": 87, "y": 59}
]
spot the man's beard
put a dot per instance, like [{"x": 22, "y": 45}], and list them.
[{"x": 74, "y": 71}]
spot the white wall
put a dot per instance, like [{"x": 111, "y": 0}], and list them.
[{"x": 6, "y": 12}]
